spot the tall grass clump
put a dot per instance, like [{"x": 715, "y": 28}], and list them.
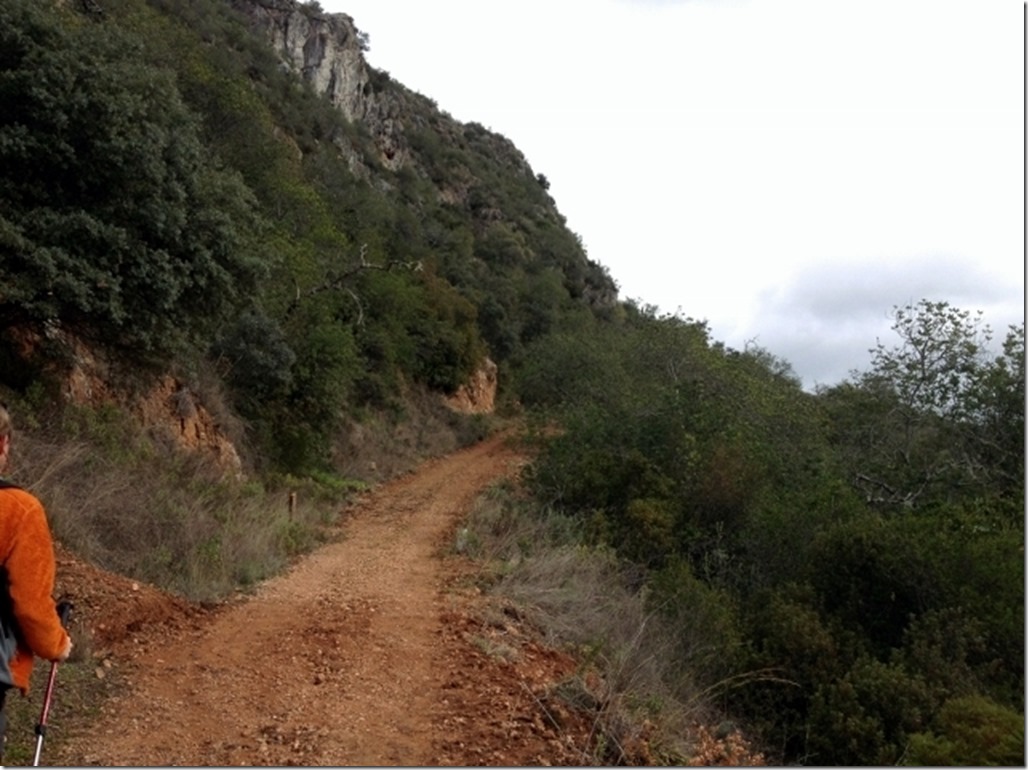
[
  {"x": 498, "y": 533},
  {"x": 586, "y": 599}
]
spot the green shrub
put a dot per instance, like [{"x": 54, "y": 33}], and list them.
[
  {"x": 867, "y": 716},
  {"x": 116, "y": 219},
  {"x": 874, "y": 574},
  {"x": 648, "y": 531},
  {"x": 257, "y": 359},
  {"x": 704, "y": 624},
  {"x": 788, "y": 638},
  {"x": 970, "y": 731}
]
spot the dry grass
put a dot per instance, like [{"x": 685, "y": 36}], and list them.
[
  {"x": 648, "y": 708},
  {"x": 385, "y": 443},
  {"x": 168, "y": 518}
]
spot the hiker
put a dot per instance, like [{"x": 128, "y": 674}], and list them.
[{"x": 29, "y": 624}]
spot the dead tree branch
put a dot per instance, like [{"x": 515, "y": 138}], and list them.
[{"x": 335, "y": 281}]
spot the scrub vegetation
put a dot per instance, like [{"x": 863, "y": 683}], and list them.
[{"x": 839, "y": 574}]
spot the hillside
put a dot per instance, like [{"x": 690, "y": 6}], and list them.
[
  {"x": 249, "y": 285},
  {"x": 228, "y": 196}
]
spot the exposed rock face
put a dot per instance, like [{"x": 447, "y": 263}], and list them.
[
  {"x": 172, "y": 406},
  {"x": 477, "y": 396},
  {"x": 324, "y": 48},
  {"x": 327, "y": 50},
  {"x": 167, "y": 408}
]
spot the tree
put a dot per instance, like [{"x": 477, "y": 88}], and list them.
[
  {"x": 935, "y": 420},
  {"x": 997, "y": 406},
  {"x": 939, "y": 360},
  {"x": 114, "y": 220}
]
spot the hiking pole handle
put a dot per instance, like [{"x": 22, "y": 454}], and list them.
[{"x": 64, "y": 609}]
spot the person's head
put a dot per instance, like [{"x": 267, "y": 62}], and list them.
[{"x": 5, "y": 436}]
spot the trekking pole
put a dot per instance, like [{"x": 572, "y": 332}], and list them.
[{"x": 64, "y": 613}]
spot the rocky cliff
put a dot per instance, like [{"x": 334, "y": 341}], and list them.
[{"x": 327, "y": 51}]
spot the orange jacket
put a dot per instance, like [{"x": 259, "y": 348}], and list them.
[{"x": 27, "y": 556}]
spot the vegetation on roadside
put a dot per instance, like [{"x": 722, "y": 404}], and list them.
[
  {"x": 838, "y": 575},
  {"x": 132, "y": 507},
  {"x": 841, "y": 573},
  {"x": 644, "y": 699}
]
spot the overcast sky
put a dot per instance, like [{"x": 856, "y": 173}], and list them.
[{"x": 786, "y": 170}]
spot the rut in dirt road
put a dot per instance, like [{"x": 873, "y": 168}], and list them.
[{"x": 337, "y": 662}]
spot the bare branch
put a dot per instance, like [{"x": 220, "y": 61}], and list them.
[{"x": 335, "y": 282}]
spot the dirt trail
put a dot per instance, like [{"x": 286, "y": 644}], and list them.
[{"x": 365, "y": 653}]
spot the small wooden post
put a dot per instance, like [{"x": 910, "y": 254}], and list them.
[{"x": 292, "y": 504}]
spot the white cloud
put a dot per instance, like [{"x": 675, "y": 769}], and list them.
[{"x": 826, "y": 317}]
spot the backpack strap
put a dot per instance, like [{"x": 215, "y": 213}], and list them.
[
  {"x": 8, "y": 626},
  {"x": 8, "y": 634}
]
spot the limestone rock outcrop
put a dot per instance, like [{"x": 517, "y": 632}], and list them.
[
  {"x": 327, "y": 51},
  {"x": 478, "y": 395}
]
